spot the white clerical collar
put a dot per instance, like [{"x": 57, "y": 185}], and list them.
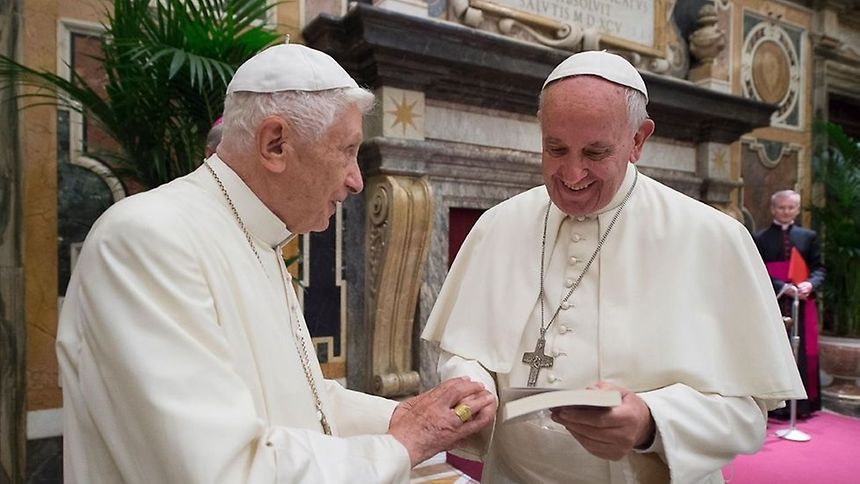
[
  {"x": 261, "y": 222},
  {"x": 621, "y": 193},
  {"x": 783, "y": 226}
]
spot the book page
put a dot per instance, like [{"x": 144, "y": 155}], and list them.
[{"x": 520, "y": 401}]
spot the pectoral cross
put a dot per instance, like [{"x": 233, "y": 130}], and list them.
[{"x": 537, "y": 360}]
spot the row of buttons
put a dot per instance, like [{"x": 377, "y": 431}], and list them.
[
  {"x": 563, "y": 328},
  {"x": 552, "y": 377}
]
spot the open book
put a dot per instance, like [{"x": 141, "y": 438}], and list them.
[{"x": 519, "y": 401}]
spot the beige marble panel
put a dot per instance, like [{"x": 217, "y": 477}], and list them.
[
  {"x": 402, "y": 113},
  {"x": 289, "y": 15},
  {"x": 670, "y": 155},
  {"x": 409, "y": 7},
  {"x": 448, "y": 123},
  {"x": 39, "y": 180},
  {"x": 313, "y": 9},
  {"x": 714, "y": 160}
]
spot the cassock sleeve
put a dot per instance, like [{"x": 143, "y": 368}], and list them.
[
  {"x": 816, "y": 268},
  {"x": 161, "y": 386},
  {"x": 358, "y": 413},
  {"x": 453, "y": 366},
  {"x": 702, "y": 432}
]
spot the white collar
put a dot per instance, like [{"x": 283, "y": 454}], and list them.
[
  {"x": 782, "y": 225},
  {"x": 261, "y": 222}
]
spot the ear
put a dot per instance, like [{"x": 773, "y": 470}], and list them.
[
  {"x": 273, "y": 144},
  {"x": 646, "y": 129}
]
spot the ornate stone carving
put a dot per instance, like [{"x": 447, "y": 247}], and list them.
[
  {"x": 397, "y": 230},
  {"x": 707, "y": 46},
  {"x": 708, "y": 40},
  {"x": 674, "y": 59},
  {"x": 770, "y": 153},
  {"x": 771, "y": 69},
  {"x": 524, "y": 25}
]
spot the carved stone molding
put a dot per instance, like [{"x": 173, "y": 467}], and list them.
[
  {"x": 104, "y": 172},
  {"x": 486, "y": 15},
  {"x": 398, "y": 223},
  {"x": 770, "y": 153},
  {"x": 772, "y": 66},
  {"x": 708, "y": 40},
  {"x": 453, "y": 64},
  {"x": 713, "y": 165}
]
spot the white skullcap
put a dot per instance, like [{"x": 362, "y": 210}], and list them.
[
  {"x": 600, "y": 63},
  {"x": 289, "y": 67}
]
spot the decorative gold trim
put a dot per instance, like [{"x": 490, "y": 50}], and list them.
[
  {"x": 398, "y": 227},
  {"x": 334, "y": 369}
]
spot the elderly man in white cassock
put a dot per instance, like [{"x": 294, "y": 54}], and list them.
[
  {"x": 183, "y": 351},
  {"x": 614, "y": 281}
]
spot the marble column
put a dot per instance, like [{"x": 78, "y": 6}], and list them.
[
  {"x": 713, "y": 162},
  {"x": 12, "y": 327}
]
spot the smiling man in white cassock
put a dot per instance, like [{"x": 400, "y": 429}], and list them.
[
  {"x": 184, "y": 354},
  {"x": 615, "y": 281}
]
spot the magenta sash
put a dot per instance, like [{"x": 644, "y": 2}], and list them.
[{"x": 779, "y": 269}]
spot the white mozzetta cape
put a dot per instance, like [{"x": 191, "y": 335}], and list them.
[
  {"x": 178, "y": 358},
  {"x": 685, "y": 309}
]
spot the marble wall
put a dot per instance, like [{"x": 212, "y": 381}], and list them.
[{"x": 771, "y": 61}]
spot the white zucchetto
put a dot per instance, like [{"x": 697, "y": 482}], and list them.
[
  {"x": 600, "y": 63},
  {"x": 289, "y": 67}
]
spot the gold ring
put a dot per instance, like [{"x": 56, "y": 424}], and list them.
[{"x": 464, "y": 412}]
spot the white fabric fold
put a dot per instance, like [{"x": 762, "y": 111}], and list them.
[
  {"x": 178, "y": 359},
  {"x": 714, "y": 326}
]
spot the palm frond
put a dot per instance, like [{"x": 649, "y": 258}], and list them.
[
  {"x": 837, "y": 169},
  {"x": 167, "y": 66}
]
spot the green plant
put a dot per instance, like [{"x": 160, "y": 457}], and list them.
[
  {"x": 167, "y": 68},
  {"x": 836, "y": 166}
]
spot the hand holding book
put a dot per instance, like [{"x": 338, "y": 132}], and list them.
[{"x": 610, "y": 433}]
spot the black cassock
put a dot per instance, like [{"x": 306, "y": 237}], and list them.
[{"x": 775, "y": 245}]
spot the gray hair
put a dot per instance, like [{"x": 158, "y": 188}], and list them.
[
  {"x": 636, "y": 102},
  {"x": 310, "y": 113},
  {"x": 214, "y": 136},
  {"x": 784, "y": 194},
  {"x": 636, "y": 110}
]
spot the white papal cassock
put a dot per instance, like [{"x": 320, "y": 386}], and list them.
[
  {"x": 677, "y": 307},
  {"x": 178, "y": 353}
]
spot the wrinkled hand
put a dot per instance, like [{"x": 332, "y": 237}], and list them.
[
  {"x": 609, "y": 433},
  {"x": 804, "y": 289},
  {"x": 426, "y": 424}
]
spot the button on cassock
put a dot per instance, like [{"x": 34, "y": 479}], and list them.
[
  {"x": 581, "y": 218},
  {"x": 563, "y": 329},
  {"x": 568, "y": 282},
  {"x": 573, "y": 260},
  {"x": 566, "y": 305},
  {"x": 576, "y": 237}
]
